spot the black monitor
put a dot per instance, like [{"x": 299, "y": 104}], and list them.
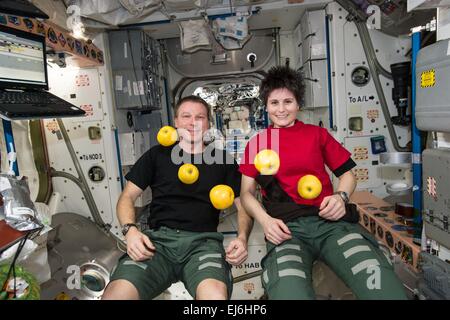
[
  {"x": 22, "y": 8},
  {"x": 23, "y": 62}
]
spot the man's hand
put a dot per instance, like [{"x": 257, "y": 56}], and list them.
[
  {"x": 332, "y": 208},
  {"x": 139, "y": 246},
  {"x": 236, "y": 252},
  {"x": 276, "y": 230}
]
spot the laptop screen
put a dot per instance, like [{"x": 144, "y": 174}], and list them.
[{"x": 22, "y": 59}]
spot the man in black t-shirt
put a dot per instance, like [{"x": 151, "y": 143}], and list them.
[{"x": 183, "y": 242}]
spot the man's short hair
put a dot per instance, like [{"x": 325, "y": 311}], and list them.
[
  {"x": 196, "y": 99},
  {"x": 281, "y": 77}
]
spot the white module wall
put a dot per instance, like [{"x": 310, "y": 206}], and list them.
[
  {"x": 362, "y": 102},
  {"x": 132, "y": 146},
  {"x": 92, "y": 138},
  {"x": 297, "y": 42},
  {"x": 310, "y": 35},
  {"x": 316, "y": 83},
  {"x": 288, "y": 48},
  {"x": 319, "y": 116},
  {"x": 313, "y": 33}
]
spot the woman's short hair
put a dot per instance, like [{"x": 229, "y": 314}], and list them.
[{"x": 281, "y": 77}]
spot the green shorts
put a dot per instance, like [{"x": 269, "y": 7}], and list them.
[
  {"x": 190, "y": 257},
  {"x": 349, "y": 250}
]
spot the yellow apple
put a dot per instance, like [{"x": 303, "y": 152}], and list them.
[
  {"x": 167, "y": 136},
  {"x": 188, "y": 173},
  {"x": 221, "y": 196},
  {"x": 267, "y": 162},
  {"x": 309, "y": 187}
]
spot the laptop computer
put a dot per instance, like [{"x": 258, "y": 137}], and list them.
[{"x": 24, "y": 81}]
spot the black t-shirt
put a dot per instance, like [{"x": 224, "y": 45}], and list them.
[{"x": 175, "y": 204}]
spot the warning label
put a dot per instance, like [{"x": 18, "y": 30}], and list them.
[
  {"x": 52, "y": 126},
  {"x": 360, "y": 153},
  {"x": 427, "y": 79},
  {"x": 82, "y": 80},
  {"x": 88, "y": 109},
  {"x": 373, "y": 114},
  {"x": 361, "y": 174}
]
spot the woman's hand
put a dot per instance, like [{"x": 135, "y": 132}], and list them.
[
  {"x": 276, "y": 230},
  {"x": 332, "y": 208}
]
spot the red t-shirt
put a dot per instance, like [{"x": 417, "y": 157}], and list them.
[{"x": 303, "y": 149}]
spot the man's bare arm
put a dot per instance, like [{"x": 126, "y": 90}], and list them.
[
  {"x": 125, "y": 206},
  {"x": 245, "y": 221},
  {"x": 139, "y": 246}
]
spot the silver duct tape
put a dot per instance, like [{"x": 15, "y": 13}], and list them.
[{"x": 18, "y": 209}]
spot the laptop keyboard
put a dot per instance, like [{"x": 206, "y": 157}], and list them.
[
  {"x": 27, "y": 97},
  {"x": 35, "y": 104}
]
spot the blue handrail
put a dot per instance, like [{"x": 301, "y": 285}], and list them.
[
  {"x": 416, "y": 145},
  {"x": 119, "y": 159}
]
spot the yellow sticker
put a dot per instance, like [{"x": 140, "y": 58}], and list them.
[{"x": 427, "y": 79}]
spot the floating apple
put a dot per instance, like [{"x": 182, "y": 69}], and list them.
[
  {"x": 267, "y": 162},
  {"x": 188, "y": 173},
  {"x": 309, "y": 187},
  {"x": 167, "y": 136},
  {"x": 221, "y": 196}
]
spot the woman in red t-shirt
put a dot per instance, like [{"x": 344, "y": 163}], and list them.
[{"x": 298, "y": 230}]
